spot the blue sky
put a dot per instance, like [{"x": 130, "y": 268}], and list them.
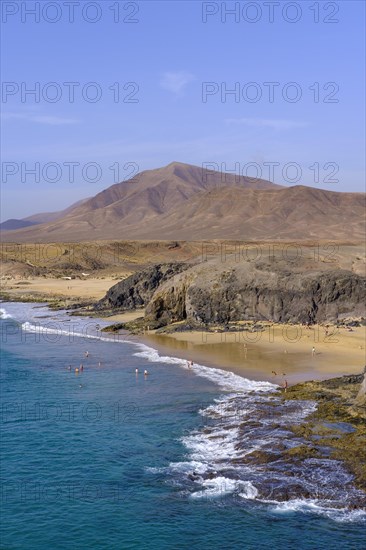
[{"x": 165, "y": 111}]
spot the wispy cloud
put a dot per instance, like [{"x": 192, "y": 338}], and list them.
[
  {"x": 175, "y": 82},
  {"x": 39, "y": 119},
  {"x": 275, "y": 124}
]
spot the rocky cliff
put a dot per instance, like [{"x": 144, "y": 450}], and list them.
[
  {"x": 135, "y": 291},
  {"x": 214, "y": 293}
]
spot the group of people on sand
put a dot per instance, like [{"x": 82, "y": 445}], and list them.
[{"x": 285, "y": 383}]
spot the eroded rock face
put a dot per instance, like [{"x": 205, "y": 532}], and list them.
[
  {"x": 214, "y": 293},
  {"x": 135, "y": 291}
]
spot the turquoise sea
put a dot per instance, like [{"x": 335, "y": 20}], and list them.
[{"x": 107, "y": 458}]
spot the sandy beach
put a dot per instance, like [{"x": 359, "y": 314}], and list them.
[
  {"x": 93, "y": 288},
  {"x": 286, "y": 350}
]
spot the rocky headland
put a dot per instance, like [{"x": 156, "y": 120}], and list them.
[{"x": 219, "y": 293}]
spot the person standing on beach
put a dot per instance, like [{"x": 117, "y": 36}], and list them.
[
  {"x": 285, "y": 385},
  {"x": 313, "y": 351}
]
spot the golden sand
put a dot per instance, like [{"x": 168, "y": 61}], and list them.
[
  {"x": 286, "y": 350},
  {"x": 125, "y": 317},
  {"x": 75, "y": 288}
]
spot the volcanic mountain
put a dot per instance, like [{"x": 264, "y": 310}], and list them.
[{"x": 185, "y": 202}]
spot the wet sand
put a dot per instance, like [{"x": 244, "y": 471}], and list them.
[{"x": 287, "y": 350}]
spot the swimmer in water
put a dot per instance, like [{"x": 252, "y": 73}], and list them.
[
  {"x": 145, "y": 372},
  {"x": 76, "y": 370},
  {"x": 81, "y": 367},
  {"x": 86, "y": 354},
  {"x": 137, "y": 371}
]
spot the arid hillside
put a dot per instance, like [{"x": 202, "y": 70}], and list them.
[{"x": 184, "y": 202}]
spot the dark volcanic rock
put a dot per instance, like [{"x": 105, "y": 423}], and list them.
[
  {"x": 135, "y": 291},
  {"x": 214, "y": 293}
]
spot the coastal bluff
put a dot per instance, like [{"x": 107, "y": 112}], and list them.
[
  {"x": 216, "y": 292},
  {"x": 136, "y": 290}
]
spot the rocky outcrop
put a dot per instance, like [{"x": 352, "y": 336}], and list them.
[
  {"x": 222, "y": 293},
  {"x": 338, "y": 423},
  {"x": 135, "y": 291},
  {"x": 217, "y": 292}
]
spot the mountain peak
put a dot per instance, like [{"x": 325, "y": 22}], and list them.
[
  {"x": 183, "y": 201},
  {"x": 177, "y": 163}
]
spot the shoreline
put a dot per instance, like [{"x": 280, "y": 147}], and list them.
[
  {"x": 331, "y": 430},
  {"x": 282, "y": 348},
  {"x": 295, "y": 362}
]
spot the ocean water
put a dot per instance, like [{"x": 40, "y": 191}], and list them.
[{"x": 105, "y": 458}]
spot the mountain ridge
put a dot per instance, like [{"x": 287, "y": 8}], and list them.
[
  {"x": 182, "y": 201},
  {"x": 36, "y": 219}
]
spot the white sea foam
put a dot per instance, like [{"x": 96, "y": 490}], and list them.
[
  {"x": 4, "y": 314},
  {"x": 247, "y": 490},
  {"x": 221, "y": 485},
  {"x": 216, "y": 487},
  {"x": 229, "y": 408},
  {"x": 298, "y": 505},
  {"x": 227, "y": 380},
  {"x": 319, "y": 507},
  {"x": 184, "y": 468},
  {"x": 41, "y": 330},
  {"x": 189, "y": 467},
  {"x": 213, "y": 447}
]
